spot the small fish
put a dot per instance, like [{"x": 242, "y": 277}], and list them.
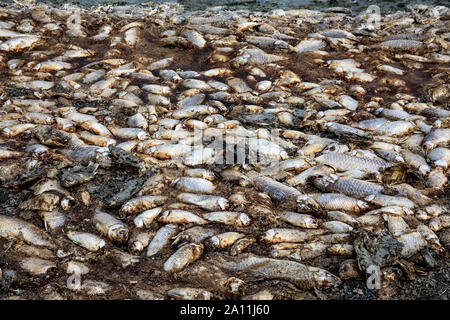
[
  {"x": 15, "y": 228},
  {"x": 147, "y": 217},
  {"x": 161, "y": 239},
  {"x": 436, "y": 137},
  {"x": 240, "y": 245},
  {"x": 110, "y": 227},
  {"x": 275, "y": 189},
  {"x": 336, "y": 201},
  {"x": 185, "y": 255},
  {"x": 267, "y": 268},
  {"x": 37, "y": 266},
  {"x": 277, "y": 235},
  {"x": 412, "y": 243},
  {"x": 195, "y": 38},
  {"x": 226, "y": 239},
  {"x": 139, "y": 241},
  {"x": 300, "y": 220},
  {"x": 348, "y": 186},
  {"x": 343, "y": 162},
  {"x": 180, "y": 217},
  {"x": 416, "y": 161},
  {"x": 86, "y": 240},
  {"x": 21, "y": 43},
  {"x": 337, "y": 227},
  {"x": 238, "y": 219},
  {"x": 194, "y": 185},
  {"x": 141, "y": 204},
  {"x": 193, "y": 235}
]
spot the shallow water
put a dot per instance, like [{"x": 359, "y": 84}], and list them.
[{"x": 265, "y": 5}]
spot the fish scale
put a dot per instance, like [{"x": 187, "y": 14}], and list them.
[
  {"x": 344, "y": 162},
  {"x": 354, "y": 187}
]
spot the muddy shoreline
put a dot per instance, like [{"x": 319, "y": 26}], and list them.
[{"x": 97, "y": 120}]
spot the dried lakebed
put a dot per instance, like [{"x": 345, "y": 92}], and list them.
[{"x": 163, "y": 154}]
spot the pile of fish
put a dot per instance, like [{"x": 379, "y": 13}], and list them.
[{"x": 115, "y": 122}]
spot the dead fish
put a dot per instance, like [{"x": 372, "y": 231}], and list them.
[
  {"x": 336, "y": 237},
  {"x": 240, "y": 245},
  {"x": 397, "y": 225},
  {"x": 11, "y": 227},
  {"x": 440, "y": 157},
  {"x": 308, "y": 251},
  {"x": 16, "y": 129},
  {"x": 96, "y": 127},
  {"x": 130, "y": 133},
  {"x": 195, "y": 38},
  {"x": 171, "y": 75},
  {"x": 160, "y": 64},
  {"x": 161, "y": 239},
  {"x": 185, "y": 255},
  {"x": 201, "y": 173},
  {"x": 343, "y": 162},
  {"x": 402, "y": 44},
  {"x": 436, "y": 179},
  {"x": 300, "y": 220},
  {"x": 207, "y": 202},
  {"x": 439, "y": 222},
  {"x": 139, "y": 241},
  {"x": 277, "y": 235},
  {"x": 37, "y": 266},
  {"x": 141, "y": 204},
  {"x": 386, "y": 200},
  {"x": 393, "y": 210},
  {"x": 193, "y": 185},
  {"x": 309, "y": 45},
  {"x": 9, "y": 154},
  {"x": 193, "y": 235},
  {"x": 169, "y": 151},
  {"x": 275, "y": 189},
  {"x": 193, "y": 111},
  {"x": 97, "y": 140},
  {"x": 256, "y": 56},
  {"x": 226, "y": 239},
  {"x": 53, "y": 219},
  {"x": 157, "y": 89},
  {"x": 336, "y": 201},
  {"x": 341, "y": 249},
  {"x": 337, "y": 227},
  {"x": 431, "y": 237},
  {"x": 302, "y": 178},
  {"x": 416, "y": 161},
  {"x": 180, "y": 217},
  {"x": 86, "y": 240},
  {"x": 344, "y": 130},
  {"x": 343, "y": 217},
  {"x": 412, "y": 243},
  {"x": 267, "y": 268},
  {"x": 147, "y": 217},
  {"x": 238, "y": 219},
  {"x": 20, "y": 43},
  {"x": 348, "y": 186},
  {"x": 296, "y": 164},
  {"x": 412, "y": 194},
  {"x": 110, "y": 227},
  {"x": 436, "y": 137},
  {"x": 46, "y": 201}
]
